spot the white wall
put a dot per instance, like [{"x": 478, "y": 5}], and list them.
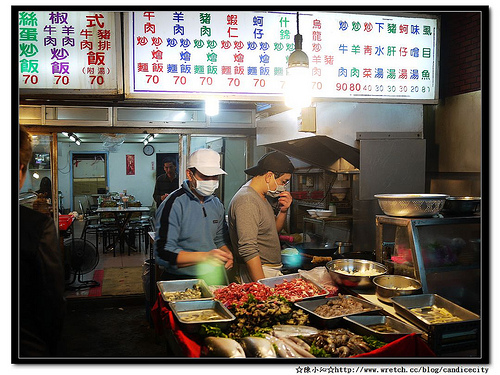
[{"x": 141, "y": 185}]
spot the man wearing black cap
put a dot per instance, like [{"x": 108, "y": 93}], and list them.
[{"x": 253, "y": 224}]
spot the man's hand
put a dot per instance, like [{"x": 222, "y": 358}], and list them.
[
  {"x": 285, "y": 200},
  {"x": 222, "y": 256}
]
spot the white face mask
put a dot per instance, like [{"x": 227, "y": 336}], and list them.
[
  {"x": 275, "y": 193},
  {"x": 206, "y": 188}
]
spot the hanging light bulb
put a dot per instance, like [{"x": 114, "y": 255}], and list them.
[
  {"x": 36, "y": 175},
  {"x": 72, "y": 137},
  {"x": 298, "y": 78},
  {"x": 78, "y": 142},
  {"x": 211, "y": 106}
]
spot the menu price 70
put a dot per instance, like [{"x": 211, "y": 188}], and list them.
[{"x": 206, "y": 83}]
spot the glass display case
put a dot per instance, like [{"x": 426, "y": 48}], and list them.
[{"x": 443, "y": 253}]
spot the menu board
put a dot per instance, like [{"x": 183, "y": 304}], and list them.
[
  {"x": 68, "y": 50},
  {"x": 351, "y": 56}
]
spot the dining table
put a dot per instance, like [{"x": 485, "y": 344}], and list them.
[{"x": 122, "y": 215}]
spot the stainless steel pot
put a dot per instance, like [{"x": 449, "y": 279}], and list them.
[{"x": 462, "y": 205}]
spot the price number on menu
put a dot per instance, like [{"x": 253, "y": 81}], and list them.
[
  {"x": 348, "y": 86},
  {"x": 97, "y": 80},
  {"x": 206, "y": 81},
  {"x": 379, "y": 89},
  {"x": 30, "y": 79}
]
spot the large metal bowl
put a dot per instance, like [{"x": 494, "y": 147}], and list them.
[
  {"x": 338, "y": 269},
  {"x": 411, "y": 205},
  {"x": 387, "y": 286},
  {"x": 461, "y": 205}
]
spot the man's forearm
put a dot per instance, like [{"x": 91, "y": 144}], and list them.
[
  {"x": 280, "y": 221},
  {"x": 254, "y": 267}
]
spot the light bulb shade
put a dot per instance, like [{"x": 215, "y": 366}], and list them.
[
  {"x": 299, "y": 59},
  {"x": 211, "y": 106},
  {"x": 298, "y": 87}
]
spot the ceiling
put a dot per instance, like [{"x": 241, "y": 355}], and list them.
[{"x": 127, "y": 138}]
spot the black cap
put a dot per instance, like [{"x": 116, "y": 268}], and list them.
[{"x": 273, "y": 161}]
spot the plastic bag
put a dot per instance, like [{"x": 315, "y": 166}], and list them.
[{"x": 321, "y": 277}]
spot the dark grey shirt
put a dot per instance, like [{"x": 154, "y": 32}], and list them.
[{"x": 164, "y": 185}]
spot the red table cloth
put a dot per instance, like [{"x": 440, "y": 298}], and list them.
[{"x": 408, "y": 346}]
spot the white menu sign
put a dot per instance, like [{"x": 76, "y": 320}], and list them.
[
  {"x": 68, "y": 50},
  {"x": 351, "y": 56}
]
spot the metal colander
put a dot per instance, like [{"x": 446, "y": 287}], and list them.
[{"x": 411, "y": 205}]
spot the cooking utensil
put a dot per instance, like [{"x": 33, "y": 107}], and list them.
[
  {"x": 403, "y": 306},
  {"x": 387, "y": 286},
  {"x": 342, "y": 247},
  {"x": 411, "y": 205},
  {"x": 182, "y": 285},
  {"x": 461, "y": 205},
  {"x": 365, "y": 324},
  {"x": 312, "y": 213},
  {"x": 179, "y": 307},
  {"x": 324, "y": 213},
  {"x": 441, "y": 337},
  {"x": 271, "y": 282},
  {"x": 354, "y": 273},
  {"x": 331, "y": 322}
]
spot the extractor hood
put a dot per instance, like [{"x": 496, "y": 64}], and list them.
[{"x": 337, "y": 125}]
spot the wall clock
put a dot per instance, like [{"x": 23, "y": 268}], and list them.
[{"x": 148, "y": 150}]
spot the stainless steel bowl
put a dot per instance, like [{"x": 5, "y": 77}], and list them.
[
  {"x": 346, "y": 272},
  {"x": 461, "y": 205},
  {"x": 411, "y": 205},
  {"x": 387, "y": 286}
]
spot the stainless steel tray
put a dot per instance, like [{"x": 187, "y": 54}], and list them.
[
  {"x": 311, "y": 305},
  {"x": 194, "y": 305},
  {"x": 182, "y": 285},
  {"x": 362, "y": 323},
  {"x": 442, "y": 337},
  {"x": 271, "y": 282},
  {"x": 404, "y": 304}
]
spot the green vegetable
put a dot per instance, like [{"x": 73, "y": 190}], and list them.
[
  {"x": 373, "y": 342},
  {"x": 251, "y": 299},
  {"x": 318, "y": 352},
  {"x": 208, "y": 330}
]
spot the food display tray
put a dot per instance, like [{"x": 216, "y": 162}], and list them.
[
  {"x": 442, "y": 337},
  {"x": 194, "y": 305},
  {"x": 324, "y": 322},
  {"x": 361, "y": 324},
  {"x": 271, "y": 282},
  {"x": 182, "y": 285}
]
